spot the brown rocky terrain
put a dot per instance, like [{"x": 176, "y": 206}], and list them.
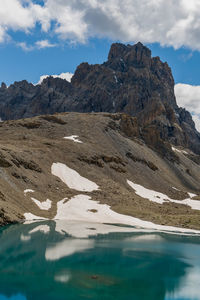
[{"x": 114, "y": 149}]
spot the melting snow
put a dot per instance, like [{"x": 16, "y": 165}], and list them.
[
  {"x": 161, "y": 198},
  {"x": 79, "y": 208},
  {"x": 148, "y": 194},
  {"x": 45, "y": 205},
  {"x": 28, "y": 191},
  {"x": 86, "y": 229},
  {"x": 73, "y": 138},
  {"x": 72, "y": 178},
  {"x": 31, "y": 217}
]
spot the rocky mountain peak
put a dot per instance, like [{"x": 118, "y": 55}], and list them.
[{"x": 134, "y": 55}]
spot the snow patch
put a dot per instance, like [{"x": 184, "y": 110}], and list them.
[
  {"x": 73, "y": 138},
  {"x": 161, "y": 198},
  {"x": 192, "y": 195},
  {"x": 87, "y": 229},
  {"x": 78, "y": 209},
  {"x": 45, "y": 205},
  {"x": 31, "y": 217},
  {"x": 72, "y": 178},
  {"x": 148, "y": 194},
  {"x": 175, "y": 189},
  {"x": 28, "y": 191},
  {"x": 179, "y": 151}
]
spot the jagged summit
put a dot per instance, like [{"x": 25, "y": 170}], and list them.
[
  {"x": 138, "y": 54},
  {"x": 131, "y": 81}
]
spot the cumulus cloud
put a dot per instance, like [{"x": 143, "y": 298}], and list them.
[
  {"x": 15, "y": 15},
  {"x": 188, "y": 96},
  {"x": 172, "y": 23},
  {"x": 67, "y": 76}
]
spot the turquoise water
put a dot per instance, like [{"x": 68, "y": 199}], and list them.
[{"x": 49, "y": 260}]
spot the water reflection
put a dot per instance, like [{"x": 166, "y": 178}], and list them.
[
  {"x": 68, "y": 247},
  {"x": 49, "y": 260}
]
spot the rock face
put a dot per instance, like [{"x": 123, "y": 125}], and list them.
[{"x": 131, "y": 81}]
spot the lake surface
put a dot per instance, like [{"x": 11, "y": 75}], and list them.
[{"x": 58, "y": 260}]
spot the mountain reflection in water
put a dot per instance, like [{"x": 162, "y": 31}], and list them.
[{"x": 70, "y": 260}]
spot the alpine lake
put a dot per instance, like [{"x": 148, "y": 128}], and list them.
[{"x": 52, "y": 260}]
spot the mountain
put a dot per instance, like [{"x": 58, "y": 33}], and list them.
[
  {"x": 58, "y": 166},
  {"x": 114, "y": 134},
  {"x": 130, "y": 81}
]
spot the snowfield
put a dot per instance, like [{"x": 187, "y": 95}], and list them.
[
  {"x": 73, "y": 179},
  {"x": 161, "y": 198}
]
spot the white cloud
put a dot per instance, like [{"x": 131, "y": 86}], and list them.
[
  {"x": 15, "y": 15},
  {"x": 67, "y": 76},
  {"x": 44, "y": 44},
  {"x": 172, "y": 23},
  {"x": 25, "y": 47},
  {"x": 38, "y": 45},
  {"x": 188, "y": 96}
]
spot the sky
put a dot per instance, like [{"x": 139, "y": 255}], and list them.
[{"x": 52, "y": 37}]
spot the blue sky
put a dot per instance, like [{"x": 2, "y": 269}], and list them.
[{"x": 48, "y": 37}]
